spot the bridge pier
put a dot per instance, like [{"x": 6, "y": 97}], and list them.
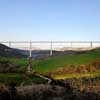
[{"x": 29, "y": 68}]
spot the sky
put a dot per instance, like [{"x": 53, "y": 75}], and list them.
[{"x": 46, "y": 20}]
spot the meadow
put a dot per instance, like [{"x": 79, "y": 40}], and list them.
[{"x": 57, "y": 67}]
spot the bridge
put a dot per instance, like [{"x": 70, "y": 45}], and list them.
[{"x": 51, "y": 45}]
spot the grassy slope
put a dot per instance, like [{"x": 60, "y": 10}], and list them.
[{"x": 53, "y": 63}]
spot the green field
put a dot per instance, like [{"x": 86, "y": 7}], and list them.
[{"x": 52, "y": 64}]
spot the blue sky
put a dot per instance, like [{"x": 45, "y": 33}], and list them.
[{"x": 50, "y": 20}]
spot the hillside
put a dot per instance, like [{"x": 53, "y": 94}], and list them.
[
  {"x": 74, "y": 65},
  {"x": 57, "y": 62},
  {"x": 59, "y": 66},
  {"x": 44, "y": 54},
  {"x": 5, "y": 51}
]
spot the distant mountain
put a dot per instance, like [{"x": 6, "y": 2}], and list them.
[
  {"x": 5, "y": 51},
  {"x": 42, "y": 54},
  {"x": 74, "y": 48}
]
